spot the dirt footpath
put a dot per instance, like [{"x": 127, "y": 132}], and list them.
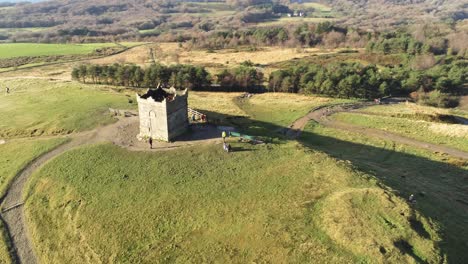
[{"x": 321, "y": 116}]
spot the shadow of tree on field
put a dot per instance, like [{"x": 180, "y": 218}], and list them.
[{"x": 439, "y": 187}]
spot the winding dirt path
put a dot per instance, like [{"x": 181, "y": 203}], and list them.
[
  {"x": 120, "y": 133},
  {"x": 320, "y": 115}
]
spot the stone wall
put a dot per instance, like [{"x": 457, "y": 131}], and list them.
[
  {"x": 177, "y": 116},
  {"x": 153, "y": 119},
  {"x": 162, "y": 120}
]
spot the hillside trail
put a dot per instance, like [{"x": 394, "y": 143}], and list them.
[
  {"x": 121, "y": 133},
  {"x": 320, "y": 115}
]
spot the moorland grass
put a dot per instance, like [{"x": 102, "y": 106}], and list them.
[
  {"x": 436, "y": 180},
  {"x": 39, "y": 107},
  {"x": 444, "y": 134},
  {"x": 264, "y": 203},
  {"x": 15, "y": 155}
]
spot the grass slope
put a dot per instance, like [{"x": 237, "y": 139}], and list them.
[
  {"x": 437, "y": 181},
  {"x": 279, "y": 110},
  {"x": 39, "y": 107},
  {"x": 270, "y": 203},
  {"x": 14, "y": 156},
  {"x": 452, "y": 135}
]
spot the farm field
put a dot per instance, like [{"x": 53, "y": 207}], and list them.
[
  {"x": 436, "y": 180},
  {"x": 453, "y": 135},
  {"x": 39, "y": 107},
  {"x": 211, "y": 207}
]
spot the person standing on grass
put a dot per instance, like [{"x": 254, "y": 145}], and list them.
[
  {"x": 151, "y": 142},
  {"x": 7, "y": 90},
  {"x": 224, "y": 136}
]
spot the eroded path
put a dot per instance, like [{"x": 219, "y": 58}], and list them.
[
  {"x": 121, "y": 133},
  {"x": 321, "y": 115}
]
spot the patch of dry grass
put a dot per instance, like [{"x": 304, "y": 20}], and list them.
[
  {"x": 451, "y": 130},
  {"x": 216, "y": 102},
  {"x": 172, "y": 53},
  {"x": 412, "y": 108}
]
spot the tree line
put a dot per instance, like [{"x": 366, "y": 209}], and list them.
[
  {"x": 242, "y": 78},
  {"x": 354, "y": 80},
  {"x": 179, "y": 76},
  {"x": 437, "y": 83}
]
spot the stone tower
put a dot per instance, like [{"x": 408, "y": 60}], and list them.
[{"x": 163, "y": 113}]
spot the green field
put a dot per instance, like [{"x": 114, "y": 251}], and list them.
[
  {"x": 317, "y": 6},
  {"x": 295, "y": 20},
  {"x": 21, "y": 30},
  {"x": 436, "y": 180},
  {"x": 14, "y": 156},
  {"x": 39, "y": 107},
  {"x": 11, "y": 50},
  {"x": 452, "y": 135},
  {"x": 5, "y": 256},
  {"x": 210, "y": 207}
]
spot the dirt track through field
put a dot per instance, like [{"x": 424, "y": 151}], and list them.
[
  {"x": 321, "y": 116},
  {"x": 12, "y": 203}
]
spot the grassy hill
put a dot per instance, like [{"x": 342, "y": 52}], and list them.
[
  {"x": 260, "y": 203},
  {"x": 39, "y": 107}
]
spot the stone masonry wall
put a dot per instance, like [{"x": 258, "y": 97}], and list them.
[
  {"x": 163, "y": 120},
  {"x": 153, "y": 119},
  {"x": 177, "y": 116}
]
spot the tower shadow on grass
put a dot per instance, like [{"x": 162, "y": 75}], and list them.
[{"x": 440, "y": 187}]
